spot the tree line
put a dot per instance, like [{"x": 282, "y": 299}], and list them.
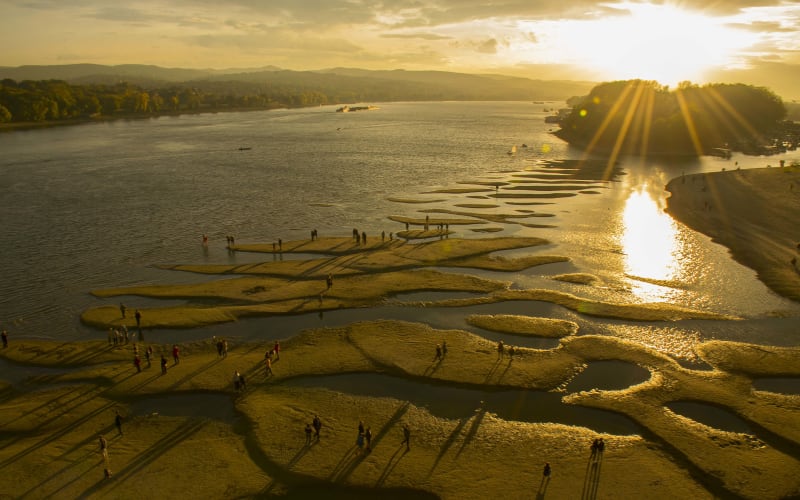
[
  {"x": 53, "y": 100},
  {"x": 645, "y": 117}
]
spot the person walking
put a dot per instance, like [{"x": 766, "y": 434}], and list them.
[
  {"x": 268, "y": 366},
  {"x": 5, "y": 338},
  {"x": 148, "y": 356},
  {"x": 308, "y": 434},
  {"x": 277, "y": 350},
  {"x": 122, "y": 309},
  {"x": 137, "y": 362},
  {"x": 547, "y": 470},
  {"x": 368, "y": 437},
  {"x": 176, "y": 354},
  {"x": 163, "y": 365}
]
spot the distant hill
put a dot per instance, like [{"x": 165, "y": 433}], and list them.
[
  {"x": 341, "y": 84},
  {"x": 98, "y": 73}
]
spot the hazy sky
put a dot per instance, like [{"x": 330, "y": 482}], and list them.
[{"x": 582, "y": 39}]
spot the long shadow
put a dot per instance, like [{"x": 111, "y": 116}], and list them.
[
  {"x": 57, "y": 435},
  {"x": 447, "y": 444},
  {"x": 75, "y": 462},
  {"x": 69, "y": 428},
  {"x": 191, "y": 375},
  {"x": 145, "y": 458},
  {"x": 591, "y": 482},
  {"x": 393, "y": 420},
  {"x": 433, "y": 367},
  {"x": 473, "y": 429},
  {"x": 398, "y": 455},
  {"x": 348, "y": 457},
  {"x": 492, "y": 370},
  {"x": 543, "y": 487}
]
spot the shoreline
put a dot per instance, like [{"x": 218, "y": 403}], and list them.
[
  {"x": 753, "y": 213},
  {"x": 19, "y": 126}
]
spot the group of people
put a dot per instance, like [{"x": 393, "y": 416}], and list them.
[
  {"x": 501, "y": 350},
  {"x": 239, "y": 383},
  {"x": 222, "y": 348},
  {"x": 313, "y": 428},
  {"x": 118, "y": 337},
  {"x": 364, "y": 437}
]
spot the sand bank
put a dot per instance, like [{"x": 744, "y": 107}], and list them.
[
  {"x": 52, "y": 423},
  {"x": 753, "y": 213}
]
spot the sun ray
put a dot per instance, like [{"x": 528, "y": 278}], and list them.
[{"x": 687, "y": 118}]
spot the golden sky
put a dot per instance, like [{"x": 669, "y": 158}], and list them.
[{"x": 755, "y": 41}]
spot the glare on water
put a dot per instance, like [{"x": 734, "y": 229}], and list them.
[{"x": 650, "y": 244}]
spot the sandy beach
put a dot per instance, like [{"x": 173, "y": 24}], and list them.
[
  {"x": 191, "y": 432},
  {"x": 753, "y": 213}
]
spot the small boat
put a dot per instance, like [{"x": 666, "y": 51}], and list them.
[
  {"x": 245, "y": 148},
  {"x": 513, "y": 150}
]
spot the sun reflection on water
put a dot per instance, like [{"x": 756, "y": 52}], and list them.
[{"x": 651, "y": 246}]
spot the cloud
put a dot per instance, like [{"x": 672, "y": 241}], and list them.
[
  {"x": 488, "y": 46},
  {"x": 421, "y": 36}
]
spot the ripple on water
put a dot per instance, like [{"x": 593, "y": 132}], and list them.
[
  {"x": 710, "y": 415},
  {"x": 608, "y": 376}
]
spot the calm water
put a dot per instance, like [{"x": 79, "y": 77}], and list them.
[{"x": 99, "y": 205}]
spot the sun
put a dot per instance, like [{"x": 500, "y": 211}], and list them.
[{"x": 654, "y": 42}]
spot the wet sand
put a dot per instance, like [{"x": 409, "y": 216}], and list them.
[{"x": 753, "y": 213}]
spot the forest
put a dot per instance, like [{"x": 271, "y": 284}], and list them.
[
  {"x": 645, "y": 117},
  {"x": 53, "y": 100}
]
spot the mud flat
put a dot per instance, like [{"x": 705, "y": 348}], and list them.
[{"x": 258, "y": 448}]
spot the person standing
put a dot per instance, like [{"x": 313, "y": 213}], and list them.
[
  {"x": 5, "y": 338},
  {"x": 317, "y": 424},
  {"x": 137, "y": 362},
  {"x": 547, "y": 470},
  {"x": 176, "y": 354},
  {"x": 163, "y": 365},
  {"x": 406, "y": 437},
  {"x": 118, "y": 422},
  {"x": 368, "y": 437},
  {"x": 148, "y": 355},
  {"x": 122, "y": 309},
  {"x": 308, "y": 434},
  {"x": 138, "y": 317}
]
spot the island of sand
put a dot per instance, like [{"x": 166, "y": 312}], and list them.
[{"x": 189, "y": 430}]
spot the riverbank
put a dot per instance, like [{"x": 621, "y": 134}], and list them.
[
  {"x": 17, "y": 126},
  {"x": 753, "y": 213}
]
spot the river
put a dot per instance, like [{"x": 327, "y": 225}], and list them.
[{"x": 99, "y": 205}]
